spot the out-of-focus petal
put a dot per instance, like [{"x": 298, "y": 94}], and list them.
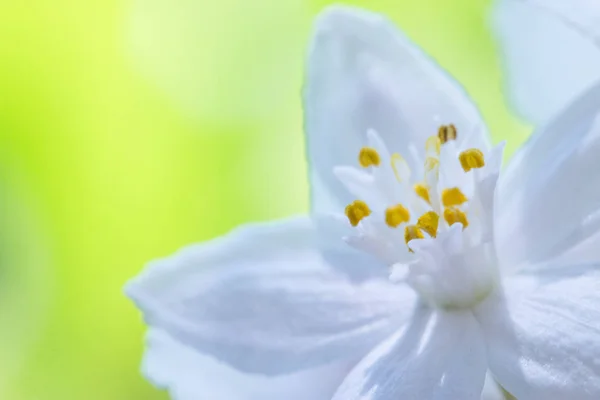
[
  {"x": 550, "y": 52},
  {"x": 548, "y": 198}
]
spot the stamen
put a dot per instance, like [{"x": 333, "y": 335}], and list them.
[
  {"x": 429, "y": 223},
  {"x": 422, "y": 191},
  {"x": 472, "y": 158},
  {"x": 447, "y": 132},
  {"x": 356, "y": 211},
  {"x": 369, "y": 156},
  {"x": 411, "y": 232},
  {"x": 433, "y": 146},
  {"x": 432, "y": 165},
  {"x": 432, "y": 176},
  {"x": 453, "y": 215},
  {"x": 396, "y": 215},
  {"x": 400, "y": 167},
  {"x": 453, "y": 197}
]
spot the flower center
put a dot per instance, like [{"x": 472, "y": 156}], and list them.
[{"x": 436, "y": 233}]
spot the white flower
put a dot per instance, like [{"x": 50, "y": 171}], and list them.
[
  {"x": 442, "y": 268},
  {"x": 550, "y": 52}
]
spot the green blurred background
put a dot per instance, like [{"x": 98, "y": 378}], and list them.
[{"x": 129, "y": 129}]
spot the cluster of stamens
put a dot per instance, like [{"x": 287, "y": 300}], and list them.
[{"x": 449, "y": 203}]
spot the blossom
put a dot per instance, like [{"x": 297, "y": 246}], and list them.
[
  {"x": 550, "y": 52},
  {"x": 422, "y": 265}
]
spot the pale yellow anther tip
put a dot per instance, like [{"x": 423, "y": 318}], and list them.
[
  {"x": 453, "y": 197},
  {"x": 429, "y": 222},
  {"x": 454, "y": 215},
  {"x": 446, "y": 133},
  {"x": 356, "y": 211},
  {"x": 368, "y": 156},
  {"x": 432, "y": 164},
  {"x": 412, "y": 232},
  {"x": 396, "y": 215},
  {"x": 433, "y": 145},
  {"x": 400, "y": 167},
  {"x": 472, "y": 158}
]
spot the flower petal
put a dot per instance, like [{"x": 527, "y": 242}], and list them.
[
  {"x": 491, "y": 390},
  {"x": 442, "y": 357},
  {"x": 362, "y": 74},
  {"x": 588, "y": 240},
  {"x": 544, "y": 41},
  {"x": 544, "y": 337},
  {"x": 334, "y": 232},
  {"x": 264, "y": 300},
  {"x": 549, "y": 193},
  {"x": 189, "y": 375}
]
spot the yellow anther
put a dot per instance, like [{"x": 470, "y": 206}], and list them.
[
  {"x": 453, "y": 197},
  {"x": 472, "y": 158},
  {"x": 429, "y": 223},
  {"x": 454, "y": 215},
  {"x": 369, "y": 156},
  {"x": 433, "y": 145},
  {"x": 422, "y": 191},
  {"x": 356, "y": 211},
  {"x": 412, "y": 232},
  {"x": 400, "y": 167},
  {"x": 431, "y": 163},
  {"x": 396, "y": 215},
  {"x": 447, "y": 132}
]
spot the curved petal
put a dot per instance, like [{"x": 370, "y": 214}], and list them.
[
  {"x": 544, "y": 336},
  {"x": 549, "y": 196},
  {"x": 363, "y": 73},
  {"x": 442, "y": 357},
  {"x": 491, "y": 390},
  {"x": 587, "y": 248},
  {"x": 264, "y": 300},
  {"x": 334, "y": 232},
  {"x": 189, "y": 375},
  {"x": 550, "y": 52}
]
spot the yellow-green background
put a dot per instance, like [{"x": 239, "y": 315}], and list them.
[{"x": 129, "y": 129}]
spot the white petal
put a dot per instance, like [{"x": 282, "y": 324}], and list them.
[
  {"x": 550, "y": 190},
  {"x": 189, "y": 375},
  {"x": 439, "y": 358},
  {"x": 491, "y": 390},
  {"x": 587, "y": 249},
  {"x": 357, "y": 265},
  {"x": 550, "y": 50},
  {"x": 544, "y": 338},
  {"x": 264, "y": 300},
  {"x": 363, "y": 74},
  {"x": 361, "y": 185}
]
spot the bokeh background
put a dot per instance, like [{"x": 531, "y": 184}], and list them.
[{"x": 131, "y": 128}]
